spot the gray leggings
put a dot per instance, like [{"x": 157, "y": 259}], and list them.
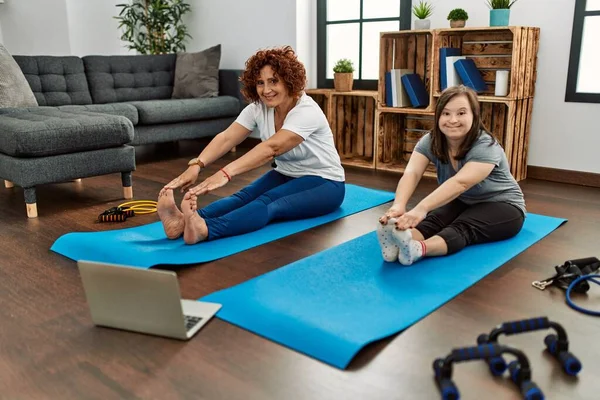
[{"x": 460, "y": 224}]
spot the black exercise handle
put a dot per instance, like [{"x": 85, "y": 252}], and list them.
[
  {"x": 477, "y": 352},
  {"x": 525, "y": 325}
]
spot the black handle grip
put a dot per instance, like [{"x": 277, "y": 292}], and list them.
[
  {"x": 525, "y": 325},
  {"x": 477, "y": 352}
]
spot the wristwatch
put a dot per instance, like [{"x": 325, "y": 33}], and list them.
[{"x": 196, "y": 161}]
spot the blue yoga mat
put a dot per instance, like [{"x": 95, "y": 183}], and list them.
[
  {"x": 332, "y": 304},
  {"x": 146, "y": 246}
]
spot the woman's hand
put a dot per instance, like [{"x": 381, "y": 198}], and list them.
[
  {"x": 209, "y": 184},
  {"x": 185, "y": 180},
  {"x": 395, "y": 211},
  {"x": 411, "y": 219}
]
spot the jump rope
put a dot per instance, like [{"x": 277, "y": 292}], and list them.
[{"x": 128, "y": 209}]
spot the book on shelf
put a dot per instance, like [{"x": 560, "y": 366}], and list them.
[
  {"x": 417, "y": 93},
  {"x": 396, "y": 95},
  {"x": 470, "y": 75},
  {"x": 446, "y": 52},
  {"x": 452, "y": 76}
]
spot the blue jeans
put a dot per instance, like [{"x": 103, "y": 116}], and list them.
[{"x": 272, "y": 197}]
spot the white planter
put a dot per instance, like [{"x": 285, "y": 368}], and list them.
[{"x": 422, "y": 24}]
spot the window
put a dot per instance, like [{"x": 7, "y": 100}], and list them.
[
  {"x": 583, "y": 81},
  {"x": 350, "y": 29}
]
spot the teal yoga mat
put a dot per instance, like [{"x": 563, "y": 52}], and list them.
[
  {"x": 332, "y": 304},
  {"x": 146, "y": 246}
]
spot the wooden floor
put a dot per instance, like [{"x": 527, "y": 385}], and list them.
[{"x": 49, "y": 348}]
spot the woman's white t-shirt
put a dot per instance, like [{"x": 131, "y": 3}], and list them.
[{"x": 316, "y": 155}]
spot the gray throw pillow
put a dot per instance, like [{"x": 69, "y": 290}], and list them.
[
  {"x": 197, "y": 74},
  {"x": 14, "y": 89}
]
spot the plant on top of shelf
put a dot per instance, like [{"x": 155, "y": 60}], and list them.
[
  {"x": 500, "y": 11},
  {"x": 457, "y": 18},
  {"x": 343, "y": 65},
  {"x": 422, "y": 11},
  {"x": 500, "y": 4},
  {"x": 343, "y": 76}
]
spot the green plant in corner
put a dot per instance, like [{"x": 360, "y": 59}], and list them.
[
  {"x": 458, "y": 14},
  {"x": 422, "y": 10},
  {"x": 154, "y": 26},
  {"x": 500, "y": 4},
  {"x": 343, "y": 65}
]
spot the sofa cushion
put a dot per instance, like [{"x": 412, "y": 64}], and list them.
[
  {"x": 114, "y": 79},
  {"x": 44, "y": 131},
  {"x": 123, "y": 109},
  {"x": 180, "y": 110},
  {"x": 56, "y": 81},
  {"x": 197, "y": 74},
  {"x": 14, "y": 89}
]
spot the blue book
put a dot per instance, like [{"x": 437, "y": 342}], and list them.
[
  {"x": 388, "y": 89},
  {"x": 415, "y": 88},
  {"x": 445, "y": 52},
  {"x": 470, "y": 75}
]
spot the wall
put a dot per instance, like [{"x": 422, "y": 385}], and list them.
[
  {"x": 563, "y": 135},
  {"x": 92, "y": 28},
  {"x": 35, "y": 27},
  {"x": 241, "y": 27}
]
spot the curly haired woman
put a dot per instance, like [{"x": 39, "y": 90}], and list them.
[{"x": 308, "y": 180}]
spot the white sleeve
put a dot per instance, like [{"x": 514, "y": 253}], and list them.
[
  {"x": 247, "y": 117},
  {"x": 304, "y": 119}
]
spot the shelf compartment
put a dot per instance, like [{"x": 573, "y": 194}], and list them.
[
  {"x": 510, "y": 48},
  {"x": 406, "y": 50}
]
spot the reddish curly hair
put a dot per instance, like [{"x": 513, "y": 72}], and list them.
[{"x": 285, "y": 65}]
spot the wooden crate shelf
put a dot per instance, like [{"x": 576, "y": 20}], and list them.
[
  {"x": 406, "y": 50},
  {"x": 351, "y": 116},
  {"x": 397, "y": 135},
  {"x": 512, "y": 48}
]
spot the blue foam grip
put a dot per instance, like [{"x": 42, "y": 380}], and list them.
[
  {"x": 525, "y": 325},
  {"x": 571, "y": 364},
  {"x": 550, "y": 341},
  {"x": 531, "y": 391},
  {"x": 514, "y": 368},
  {"x": 449, "y": 390},
  {"x": 477, "y": 352},
  {"x": 497, "y": 365}
]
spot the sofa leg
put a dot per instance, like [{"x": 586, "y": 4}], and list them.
[
  {"x": 78, "y": 180},
  {"x": 233, "y": 149},
  {"x": 127, "y": 185},
  {"x": 30, "y": 202},
  {"x": 8, "y": 184}
]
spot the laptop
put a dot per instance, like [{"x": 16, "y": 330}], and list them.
[{"x": 141, "y": 300}]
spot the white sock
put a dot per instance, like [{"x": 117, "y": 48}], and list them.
[
  {"x": 389, "y": 248},
  {"x": 409, "y": 250}
]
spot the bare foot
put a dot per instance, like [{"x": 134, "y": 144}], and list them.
[
  {"x": 170, "y": 216},
  {"x": 195, "y": 228}
]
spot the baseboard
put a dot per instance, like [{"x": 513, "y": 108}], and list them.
[{"x": 563, "y": 176}]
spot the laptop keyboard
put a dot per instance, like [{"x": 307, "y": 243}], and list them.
[{"x": 191, "y": 321}]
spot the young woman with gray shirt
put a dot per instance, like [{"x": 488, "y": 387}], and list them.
[{"x": 477, "y": 200}]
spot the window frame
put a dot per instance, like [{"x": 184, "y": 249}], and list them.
[
  {"x": 572, "y": 95},
  {"x": 359, "y": 83}
]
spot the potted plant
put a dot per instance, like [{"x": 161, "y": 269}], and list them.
[
  {"x": 422, "y": 11},
  {"x": 457, "y": 18},
  {"x": 343, "y": 76},
  {"x": 500, "y": 11},
  {"x": 154, "y": 26}
]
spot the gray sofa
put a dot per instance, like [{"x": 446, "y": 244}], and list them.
[{"x": 93, "y": 109}]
